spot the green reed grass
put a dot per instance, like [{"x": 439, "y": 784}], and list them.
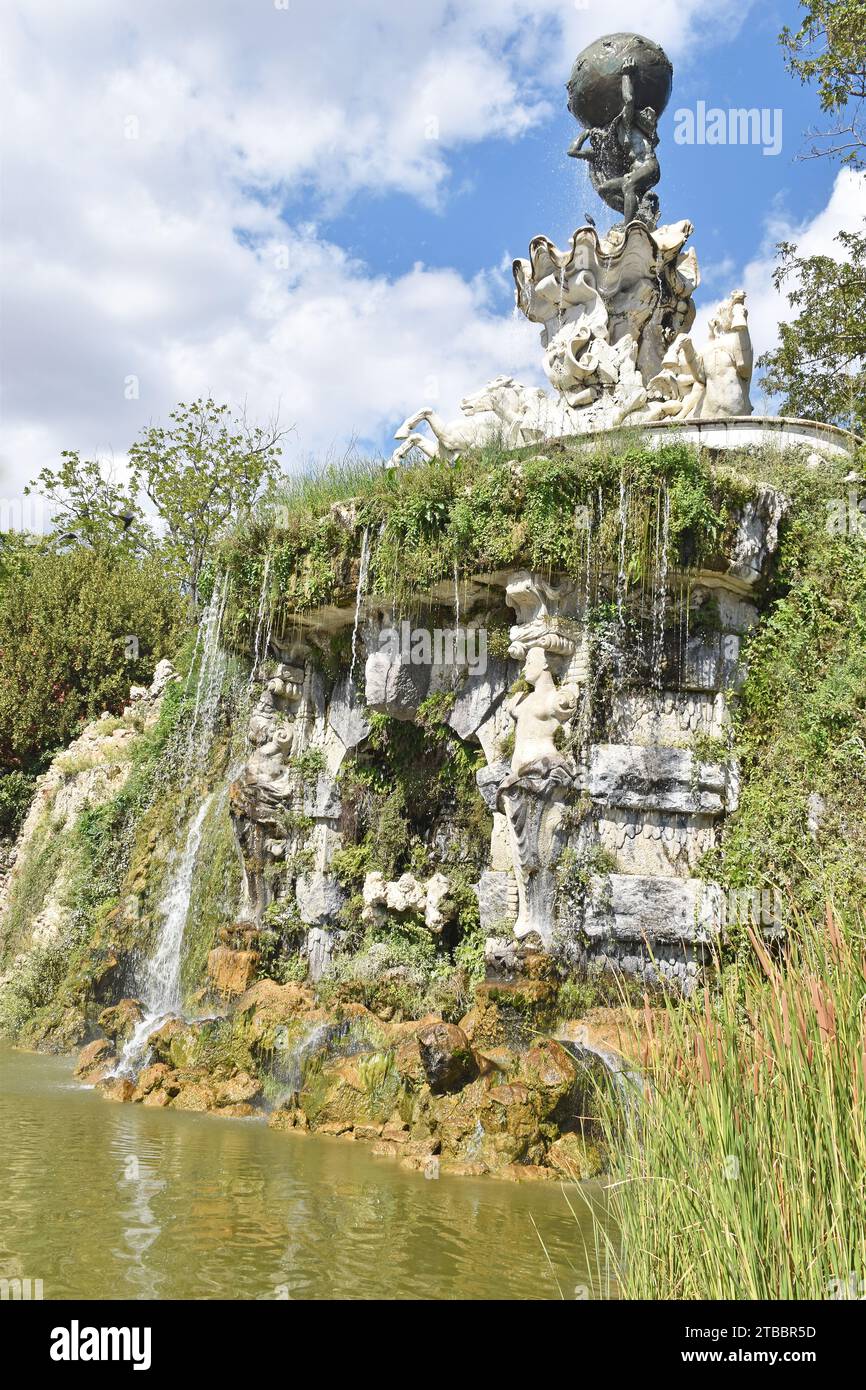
[{"x": 743, "y": 1173}]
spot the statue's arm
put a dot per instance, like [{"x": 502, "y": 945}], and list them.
[
  {"x": 627, "y": 115},
  {"x": 691, "y": 357},
  {"x": 740, "y": 328},
  {"x": 576, "y": 149}
]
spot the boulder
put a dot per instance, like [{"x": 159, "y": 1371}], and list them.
[
  {"x": 149, "y": 1079},
  {"x": 95, "y": 1060},
  {"x": 394, "y": 688},
  {"x": 195, "y": 1094},
  {"x": 549, "y": 1068},
  {"x": 117, "y": 1088},
  {"x": 174, "y": 1042},
  {"x": 496, "y": 893},
  {"x": 320, "y": 898},
  {"x": 477, "y": 698},
  {"x": 447, "y": 1057},
  {"x": 119, "y": 1021},
  {"x": 239, "y": 1089},
  {"x": 232, "y": 972},
  {"x": 438, "y": 907},
  {"x": 509, "y": 1119},
  {"x": 575, "y": 1157}
]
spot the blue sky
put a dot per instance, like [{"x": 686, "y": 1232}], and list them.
[
  {"x": 503, "y": 192},
  {"x": 240, "y": 197}
]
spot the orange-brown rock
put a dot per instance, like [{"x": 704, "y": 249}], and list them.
[
  {"x": 156, "y": 1098},
  {"x": 576, "y": 1158},
  {"x": 117, "y": 1088},
  {"x": 232, "y": 972},
  {"x": 95, "y": 1060},
  {"x": 149, "y": 1078}
]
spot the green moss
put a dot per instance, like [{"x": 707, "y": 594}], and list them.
[
  {"x": 430, "y": 523},
  {"x": 215, "y": 891}
]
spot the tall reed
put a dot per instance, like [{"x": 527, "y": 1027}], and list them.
[{"x": 742, "y": 1174}]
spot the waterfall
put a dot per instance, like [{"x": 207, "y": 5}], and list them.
[
  {"x": 161, "y": 992},
  {"x": 363, "y": 568},
  {"x": 661, "y": 591},
  {"x": 620, "y": 574},
  {"x": 258, "y": 656},
  {"x": 212, "y": 669},
  {"x": 159, "y": 982}
]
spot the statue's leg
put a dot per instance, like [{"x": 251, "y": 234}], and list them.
[{"x": 408, "y": 425}]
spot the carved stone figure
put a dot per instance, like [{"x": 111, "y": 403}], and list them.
[
  {"x": 616, "y": 310},
  {"x": 531, "y": 796},
  {"x": 618, "y": 88},
  {"x": 710, "y": 384},
  {"x": 727, "y": 360},
  {"x": 499, "y": 408}
]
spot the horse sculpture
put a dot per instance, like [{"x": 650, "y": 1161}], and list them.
[{"x": 499, "y": 411}]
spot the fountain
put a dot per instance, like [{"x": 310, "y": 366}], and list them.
[{"x": 616, "y": 311}]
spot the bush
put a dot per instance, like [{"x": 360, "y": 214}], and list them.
[
  {"x": 16, "y": 793},
  {"x": 65, "y": 623}
]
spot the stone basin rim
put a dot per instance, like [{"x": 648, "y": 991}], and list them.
[{"x": 842, "y": 441}]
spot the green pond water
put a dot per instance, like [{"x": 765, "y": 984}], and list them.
[{"x": 101, "y": 1200}]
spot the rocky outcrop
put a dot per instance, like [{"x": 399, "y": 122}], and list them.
[{"x": 447, "y": 1058}]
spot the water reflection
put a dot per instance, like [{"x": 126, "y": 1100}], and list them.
[{"x": 103, "y": 1200}]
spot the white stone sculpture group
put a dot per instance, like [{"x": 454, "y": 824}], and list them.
[{"x": 616, "y": 315}]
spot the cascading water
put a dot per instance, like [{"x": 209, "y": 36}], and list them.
[
  {"x": 159, "y": 983},
  {"x": 160, "y": 990},
  {"x": 211, "y": 673},
  {"x": 263, "y": 608},
  {"x": 363, "y": 569},
  {"x": 661, "y": 591},
  {"x": 620, "y": 573}
]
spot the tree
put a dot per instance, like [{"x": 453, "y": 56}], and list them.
[
  {"x": 830, "y": 48},
  {"x": 204, "y": 470},
  {"x": 77, "y": 628},
  {"x": 819, "y": 367},
  {"x": 91, "y": 508}
]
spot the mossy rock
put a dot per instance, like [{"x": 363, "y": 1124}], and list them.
[
  {"x": 119, "y": 1021},
  {"x": 577, "y": 1157},
  {"x": 60, "y": 1027},
  {"x": 547, "y": 1068},
  {"x": 511, "y": 1013}
]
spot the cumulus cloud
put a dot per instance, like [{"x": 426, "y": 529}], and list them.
[
  {"x": 149, "y": 152},
  {"x": 768, "y": 307}
]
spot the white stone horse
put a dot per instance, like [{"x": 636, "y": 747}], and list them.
[{"x": 501, "y": 406}]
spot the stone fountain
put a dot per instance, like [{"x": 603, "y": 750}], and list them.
[
  {"x": 616, "y": 311},
  {"x": 601, "y": 820}
]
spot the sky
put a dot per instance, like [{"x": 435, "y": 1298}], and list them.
[{"x": 309, "y": 208}]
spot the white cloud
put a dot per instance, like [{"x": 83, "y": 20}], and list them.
[
  {"x": 814, "y": 236},
  {"x": 149, "y": 149}
]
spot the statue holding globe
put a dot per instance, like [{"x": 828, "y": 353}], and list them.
[{"x": 618, "y": 88}]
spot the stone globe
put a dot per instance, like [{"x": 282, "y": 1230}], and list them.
[{"x": 595, "y": 85}]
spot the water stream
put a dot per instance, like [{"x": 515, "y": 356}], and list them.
[
  {"x": 160, "y": 981},
  {"x": 363, "y": 569}
]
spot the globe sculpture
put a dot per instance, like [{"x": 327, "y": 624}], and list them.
[{"x": 618, "y": 89}]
